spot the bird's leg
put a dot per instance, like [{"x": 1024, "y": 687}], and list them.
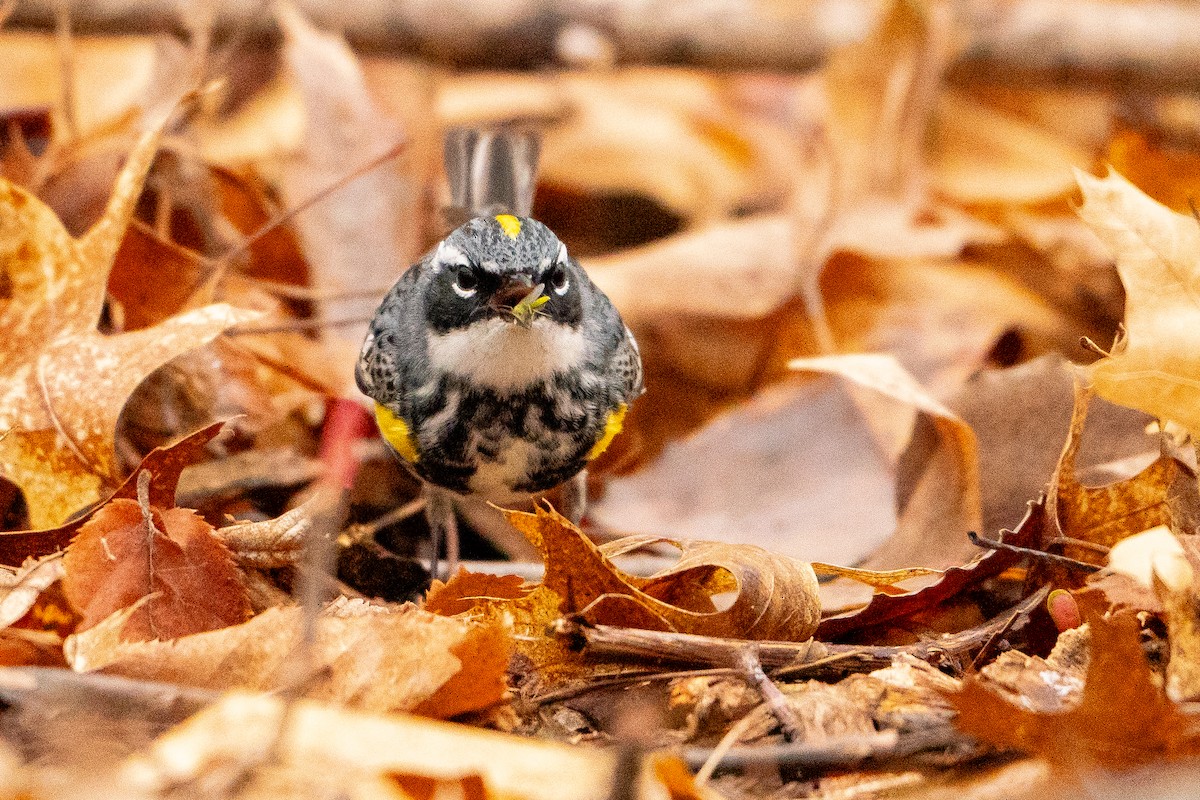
[
  {"x": 574, "y": 498},
  {"x": 443, "y": 527}
]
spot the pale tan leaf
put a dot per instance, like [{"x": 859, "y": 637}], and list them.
[
  {"x": 20, "y": 589},
  {"x": 322, "y": 740},
  {"x": 1156, "y": 367}
]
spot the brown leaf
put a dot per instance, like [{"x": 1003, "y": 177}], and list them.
[
  {"x": 273, "y": 542},
  {"x": 939, "y": 497},
  {"x": 377, "y": 658},
  {"x": 761, "y": 474},
  {"x": 323, "y": 741},
  {"x": 1122, "y": 718},
  {"x": 1021, "y": 417},
  {"x": 184, "y": 573},
  {"x": 1104, "y": 515},
  {"x": 164, "y": 465},
  {"x": 136, "y": 280},
  {"x": 883, "y": 581},
  {"x": 776, "y": 595},
  {"x": 62, "y": 383}
]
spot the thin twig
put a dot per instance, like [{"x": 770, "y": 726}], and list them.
[
  {"x": 295, "y": 326},
  {"x": 776, "y": 702},
  {"x": 1087, "y": 344},
  {"x": 1022, "y": 610},
  {"x": 361, "y": 531},
  {"x": 66, "y": 65},
  {"x": 626, "y": 678},
  {"x": 722, "y": 749},
  {"x": 342, "y": 181},
  {"x": 1042, "y": 555},
  {"x": 878, "y": 750}
]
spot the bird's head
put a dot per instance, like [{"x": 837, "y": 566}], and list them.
[{"x": 502, "y": 267}]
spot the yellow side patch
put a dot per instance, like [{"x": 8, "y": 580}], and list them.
[
  {"x": 509, "y": 224},
  {"x": 396, "y": 431},
  {"x": 611, "y": 428}
]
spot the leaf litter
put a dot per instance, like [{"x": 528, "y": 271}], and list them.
[{"x": 859, "y": 292}]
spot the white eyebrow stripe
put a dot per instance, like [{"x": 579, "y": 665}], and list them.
[
  {"x": 562, "y": 252},
  {"x": 447, "y": 255}
]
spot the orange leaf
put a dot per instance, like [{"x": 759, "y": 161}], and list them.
[
  {"x": 184, "y": 572},
  {"x": 464, "y": 589},
  {"x": 62, "y": 383}
]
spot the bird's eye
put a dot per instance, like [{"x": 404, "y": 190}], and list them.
[
  {"x": 559, "y": 281},
  {"x": 466, "y": 282}
]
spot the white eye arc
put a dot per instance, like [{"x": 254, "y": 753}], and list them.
[
  {"x": 466, "y": 284},
  {"x": 559, "y": 282}
]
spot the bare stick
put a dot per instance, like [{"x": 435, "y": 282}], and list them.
[
  {"x": 752, "y": 670},
  {"x": 66, "y": 66},
  {"x": 1150, "y": 46},
  {"x": 779, "y": 659},
  {"x": 878, "y": 750},
  {"x": 1022, "y": 610},
  {"x": 1041, "y": 555}
]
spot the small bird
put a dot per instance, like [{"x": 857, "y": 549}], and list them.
[{"x": 498, "y": 369}]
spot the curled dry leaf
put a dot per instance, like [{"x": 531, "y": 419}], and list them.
[
  {"x": 776, "y": 596},
  {"x": 939, "y": 495},
  {"x": 376, "y": 658},
  {"x": 169, "y": 558},
  {"x": 270, "y": 543},
  {"x": 164, "y": 465},
  {"x": 20, "y": 589},
  {"x": 1122, "y": 717},
  {"x": 62, "y": 383},
  {"x": 883, "y": 581},
  {"x": 1156, "y": 365}
]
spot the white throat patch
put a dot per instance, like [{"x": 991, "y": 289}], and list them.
[{"x": 507, "y": 357}]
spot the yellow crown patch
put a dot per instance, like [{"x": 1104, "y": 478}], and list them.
[{"x": 509, "y": 224}]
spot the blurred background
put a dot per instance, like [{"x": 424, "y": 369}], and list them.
[{"x": 751, "y": 181}]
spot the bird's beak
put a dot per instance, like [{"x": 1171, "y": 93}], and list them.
[{"x": 518, "y": 299}]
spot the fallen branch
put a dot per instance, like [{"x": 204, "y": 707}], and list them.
[
  {"x": 1148, "y": 46},
  {"x": 784, "y": 659}
]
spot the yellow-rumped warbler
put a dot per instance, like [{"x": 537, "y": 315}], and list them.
[{"x": 497, "y": 367}]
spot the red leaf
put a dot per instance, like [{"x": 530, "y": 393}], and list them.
[{"x": 186, "y": 575}]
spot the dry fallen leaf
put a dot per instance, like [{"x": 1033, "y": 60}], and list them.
[
  {"x": 62, "y": 383},
  {"x": 776, "y": 596},
  {"x": 164, "y": 465},
  {"x": 367, "y": 234},
  {"x": 20, "y": 589},
  {"x": 332, "y": 751},
  {"x": 1104, "y": 515},
  {"x": 168, "y": 557},
  {"x": 379, "y": 658},
  {"x": 1155, "y": 366},
  {"x": 1122, "y": 717}
]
